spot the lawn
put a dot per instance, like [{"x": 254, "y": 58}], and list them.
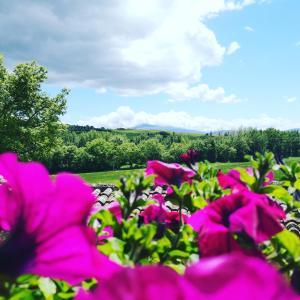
[{"x": 111, "y": 177}]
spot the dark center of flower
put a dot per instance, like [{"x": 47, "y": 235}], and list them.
[{"x": 16, "y": 252}]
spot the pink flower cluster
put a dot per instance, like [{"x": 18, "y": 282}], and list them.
[
  {"x": 48, "y": 236},
  {"x": 231, "y": 277},
  {"x": 242, "y": 212}
]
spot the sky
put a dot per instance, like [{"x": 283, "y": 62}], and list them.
[{"x": 201, "y": 65}]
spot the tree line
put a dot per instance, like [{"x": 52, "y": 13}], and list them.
[
  {"x": 30, "y": 125},
  {"x": 96, "y": 150}
]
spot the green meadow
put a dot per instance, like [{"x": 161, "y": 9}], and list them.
[{"x": 111, "y": 177}]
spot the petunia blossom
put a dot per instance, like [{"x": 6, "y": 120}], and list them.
[
  {"x": 154, "y": 213},
  {"x": 190, "y": 157},
  {"x": 236, "y": 277},
  {"x": 48, "y": 235},
  {"x": 231, "y": 277},
  {"x": 147, "y": 283},
  {"x": 160, "y": 214},
  {"x": 232, "y": 180},
  {"x": 168, "y": 174},
  {"x": 239, "y": 213}
]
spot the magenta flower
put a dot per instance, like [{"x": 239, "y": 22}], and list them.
[
  {"x": 232, "y": 180},
  {"x": 173, "y": 216},
  {"x": 48, "y": 235},
  {"x": 159, "y": 198},
  {"x": 239, "y": 213},
  {"x": 231, "y": 277},
  {"x": 160, "y": 214},
  {"x": 190, "y": 157},
  {"x": 115, "y": 209},
  {"x": 238, "y": 277},
  {"x": 167, "y": 174},
  {"x": 142, "y": 283},
  {"x": 154, "y": 213}
]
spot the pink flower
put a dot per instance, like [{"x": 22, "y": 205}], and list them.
[
  {"x": 243, "y": 213},
  {"x": 173, "y": 216},
  {"x": 115, "y": 209},
  {"x": 154, "y": 213},
  {"x": 231, "y": 277},
  {"x": 159, "y": 198},
  {"x": 238, "y": 277},
  {"x": 167, "y": 174},
  {"x": 142, "y": 283},
  {"x": 159, "y": 214},
  {"x": 107, "y": 232},
  {"x": 190, "y": 157},
  {"x": 47, "y": 224},
  {"x": 231, "y": 180}
]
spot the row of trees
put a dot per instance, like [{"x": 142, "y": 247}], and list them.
[
  {"x": 95, "y": 151},
  {"x": 30, "y": 126}
]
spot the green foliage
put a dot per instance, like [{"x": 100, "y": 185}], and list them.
[
  {"x": 29, "y": 118},
  {"x": 132, "y": 148},
  {"x": 132, "y": 241}
]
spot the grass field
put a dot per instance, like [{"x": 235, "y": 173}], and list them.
[{"x": 113, "y": 176}]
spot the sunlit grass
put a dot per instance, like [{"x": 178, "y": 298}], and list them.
[{"x": 111, "y": 177}]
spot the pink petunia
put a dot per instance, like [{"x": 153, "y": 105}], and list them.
[
  {"x": 159, "y": 198},
  {"x": 242, "y": 212},
  {"x": 47, "y": 224},
  {"x": 231, "y": 277},
  {"x": 190, "y": 157},
  {"x": 160, "y": 214},
  {"x": 142, "y": 283},
  {"x": 236, "y": 277},
  {"x": 154, "y": 213},
  {"x": 168, "y": 174},
  {"x": 231, "y": 180}
]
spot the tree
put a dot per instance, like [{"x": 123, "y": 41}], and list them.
[
  {"x": 99, "y": 156},
  {"x": 29, "y": 118}
]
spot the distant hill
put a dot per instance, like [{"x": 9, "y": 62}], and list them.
[
  {"x": 146, "y": 127},
  {"x": 167, "y": 128}
]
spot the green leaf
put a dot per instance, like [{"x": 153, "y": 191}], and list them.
[
  {"x": 279, "y": 193},
  {"x": 291, "y": 242},
  {"x": 28, "y": 278},
  {"x": 23, "y": 294},
  {"x": 199, "y": 202},
  {"x": 245, "y": 177},
  {"x": 63, "y": 295},
  {"x": 297, "y": 184},
  {"x": 47, "y": 286},
  {"x": 179, "y": 253}
]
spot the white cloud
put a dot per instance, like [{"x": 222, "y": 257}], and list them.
[
  {"x": 202, "y": 93},
  {"x": 233, "y": 47},
  {"x": 249, "y": 28},
  {"x": 290, "y": 99},
  {"x": 129, "y": 46},
  {"x": 127, "y": 118}
]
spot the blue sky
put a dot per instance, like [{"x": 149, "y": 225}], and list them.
[{"x": 201, "y": 65}]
